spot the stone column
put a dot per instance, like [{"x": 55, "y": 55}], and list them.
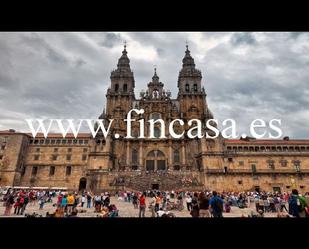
[
  {"x": 203, "y": 145},
  {"x": 183, "y": 153},
  {"x": 141, "y": 154},
  {"x": 204, "y": 149},
  {"x": 128, "y": 153},
  {"x": 107, "y": 146},
  {"x": 170, "y": 161}
]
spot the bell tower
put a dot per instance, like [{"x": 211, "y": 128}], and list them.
[
  {"x": 121, "y": 91},
  {"x": 191, "y": 94},
  {"x": 120, "y": 95}
]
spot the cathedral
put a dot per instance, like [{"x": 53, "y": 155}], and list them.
[{"x": 115, "y": 163}]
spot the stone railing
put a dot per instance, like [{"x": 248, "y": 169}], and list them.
[{"x": 257, "y": 171}]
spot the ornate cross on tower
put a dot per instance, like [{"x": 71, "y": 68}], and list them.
[
  {"x": 125, "y": 44},
  {"x": 155, "y": 68}
]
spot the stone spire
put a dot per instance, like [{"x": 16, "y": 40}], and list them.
[
  {"x": 124, "y": 61},
  {"x": 123, "y": 71},
  {"x": 188, "y": 67},
  {"x": 188, "y": 61},
  {"x": 155, "y": 77},
  {"x": 155, "y": 87},
  {"x": 189, "y": 78}
]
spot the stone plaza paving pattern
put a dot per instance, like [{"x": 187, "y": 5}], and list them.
[{"x": 126, "y": 209}]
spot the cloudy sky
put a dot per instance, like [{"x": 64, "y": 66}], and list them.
[{"x": 66, "y": 75}]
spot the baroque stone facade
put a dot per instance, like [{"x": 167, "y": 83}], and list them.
[{"x": 98, "y": 164}]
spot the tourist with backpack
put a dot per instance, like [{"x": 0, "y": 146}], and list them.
[
  {"x": 297, "y": 205},
  {"x": 216, "y": 205}
]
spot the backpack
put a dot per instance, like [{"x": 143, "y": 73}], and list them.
[
  {"x": 294, "y": 205},
  {"x": 218, "y": 207}
]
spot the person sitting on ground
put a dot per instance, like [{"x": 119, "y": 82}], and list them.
[
  {"x": 260, "y": 213},
  {"x": 160, "y": 212}
]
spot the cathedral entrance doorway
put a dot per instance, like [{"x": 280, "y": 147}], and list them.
[
  {"x": 82, "y": 184},
  {"x": 155, "y": 160}
]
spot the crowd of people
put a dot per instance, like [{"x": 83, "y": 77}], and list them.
[
  {"x": 20, "y": 199},
  {"x": 66, "y": 203},
  {"x": 213, "y": 204},
  {"x": 159, "y": 203}
]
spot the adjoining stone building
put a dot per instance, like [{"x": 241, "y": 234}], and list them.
[{"x": 99, "y": 164}]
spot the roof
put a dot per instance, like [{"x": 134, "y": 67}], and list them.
[
  {"x": 266, "y": 142},
  {"x": 50, "y": 135},
  {"x": 59, "y": 135}
]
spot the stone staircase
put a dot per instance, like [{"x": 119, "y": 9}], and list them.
[{"x": 165, "y": 181}]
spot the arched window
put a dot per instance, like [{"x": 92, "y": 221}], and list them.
[
  {"x": 176, "y": 156},
  {"x": 134, "y": 156},
  {"x": 116, "y": 88},
  {"x": 125, "y": 87},
  {"x": 151, "y": 154},
  {"x": 160, "y": 153},
  {"x": 155, "y": 153},
  {"x": 195, "y": 87},
  {"x": 155, "y": 160},
  {"x": 157, "y": 132},
  {"x": 187, "y": 88}
]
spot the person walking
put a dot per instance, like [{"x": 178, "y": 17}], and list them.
[
  {"x": 158, "y": 202},
  {"x": 8, "y": 205},
  {"x": 195, "y": 211},
  {"x": 135, "y": 200},
  {"x": 89, "y": 200},
  {"x": 17, "y": 205},
  {"x": 152, "y": 205},
  {"x": 142, "y": 206},
  {"x": 283, "y": 200},
  {"x": 297, "y": 205},
  {"x": 71, "y": 201},
  {"x": 189, "y": 202},
  {"x": 216, "y": 204},
  {"x": 26, "y": 201},
  {"x": 83, "y": 200},
  {"x": 203, "y": 205},
  {"x": 42, "y": 201},
  {"x": 64, "y": 203}
]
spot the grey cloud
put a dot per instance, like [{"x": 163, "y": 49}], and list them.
[
  {"x": 110, "y": 40},
  {"x": 295, "y": 35},
  {"x": 243, "y": 38},
  {"x": 35, "y": 41}
]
